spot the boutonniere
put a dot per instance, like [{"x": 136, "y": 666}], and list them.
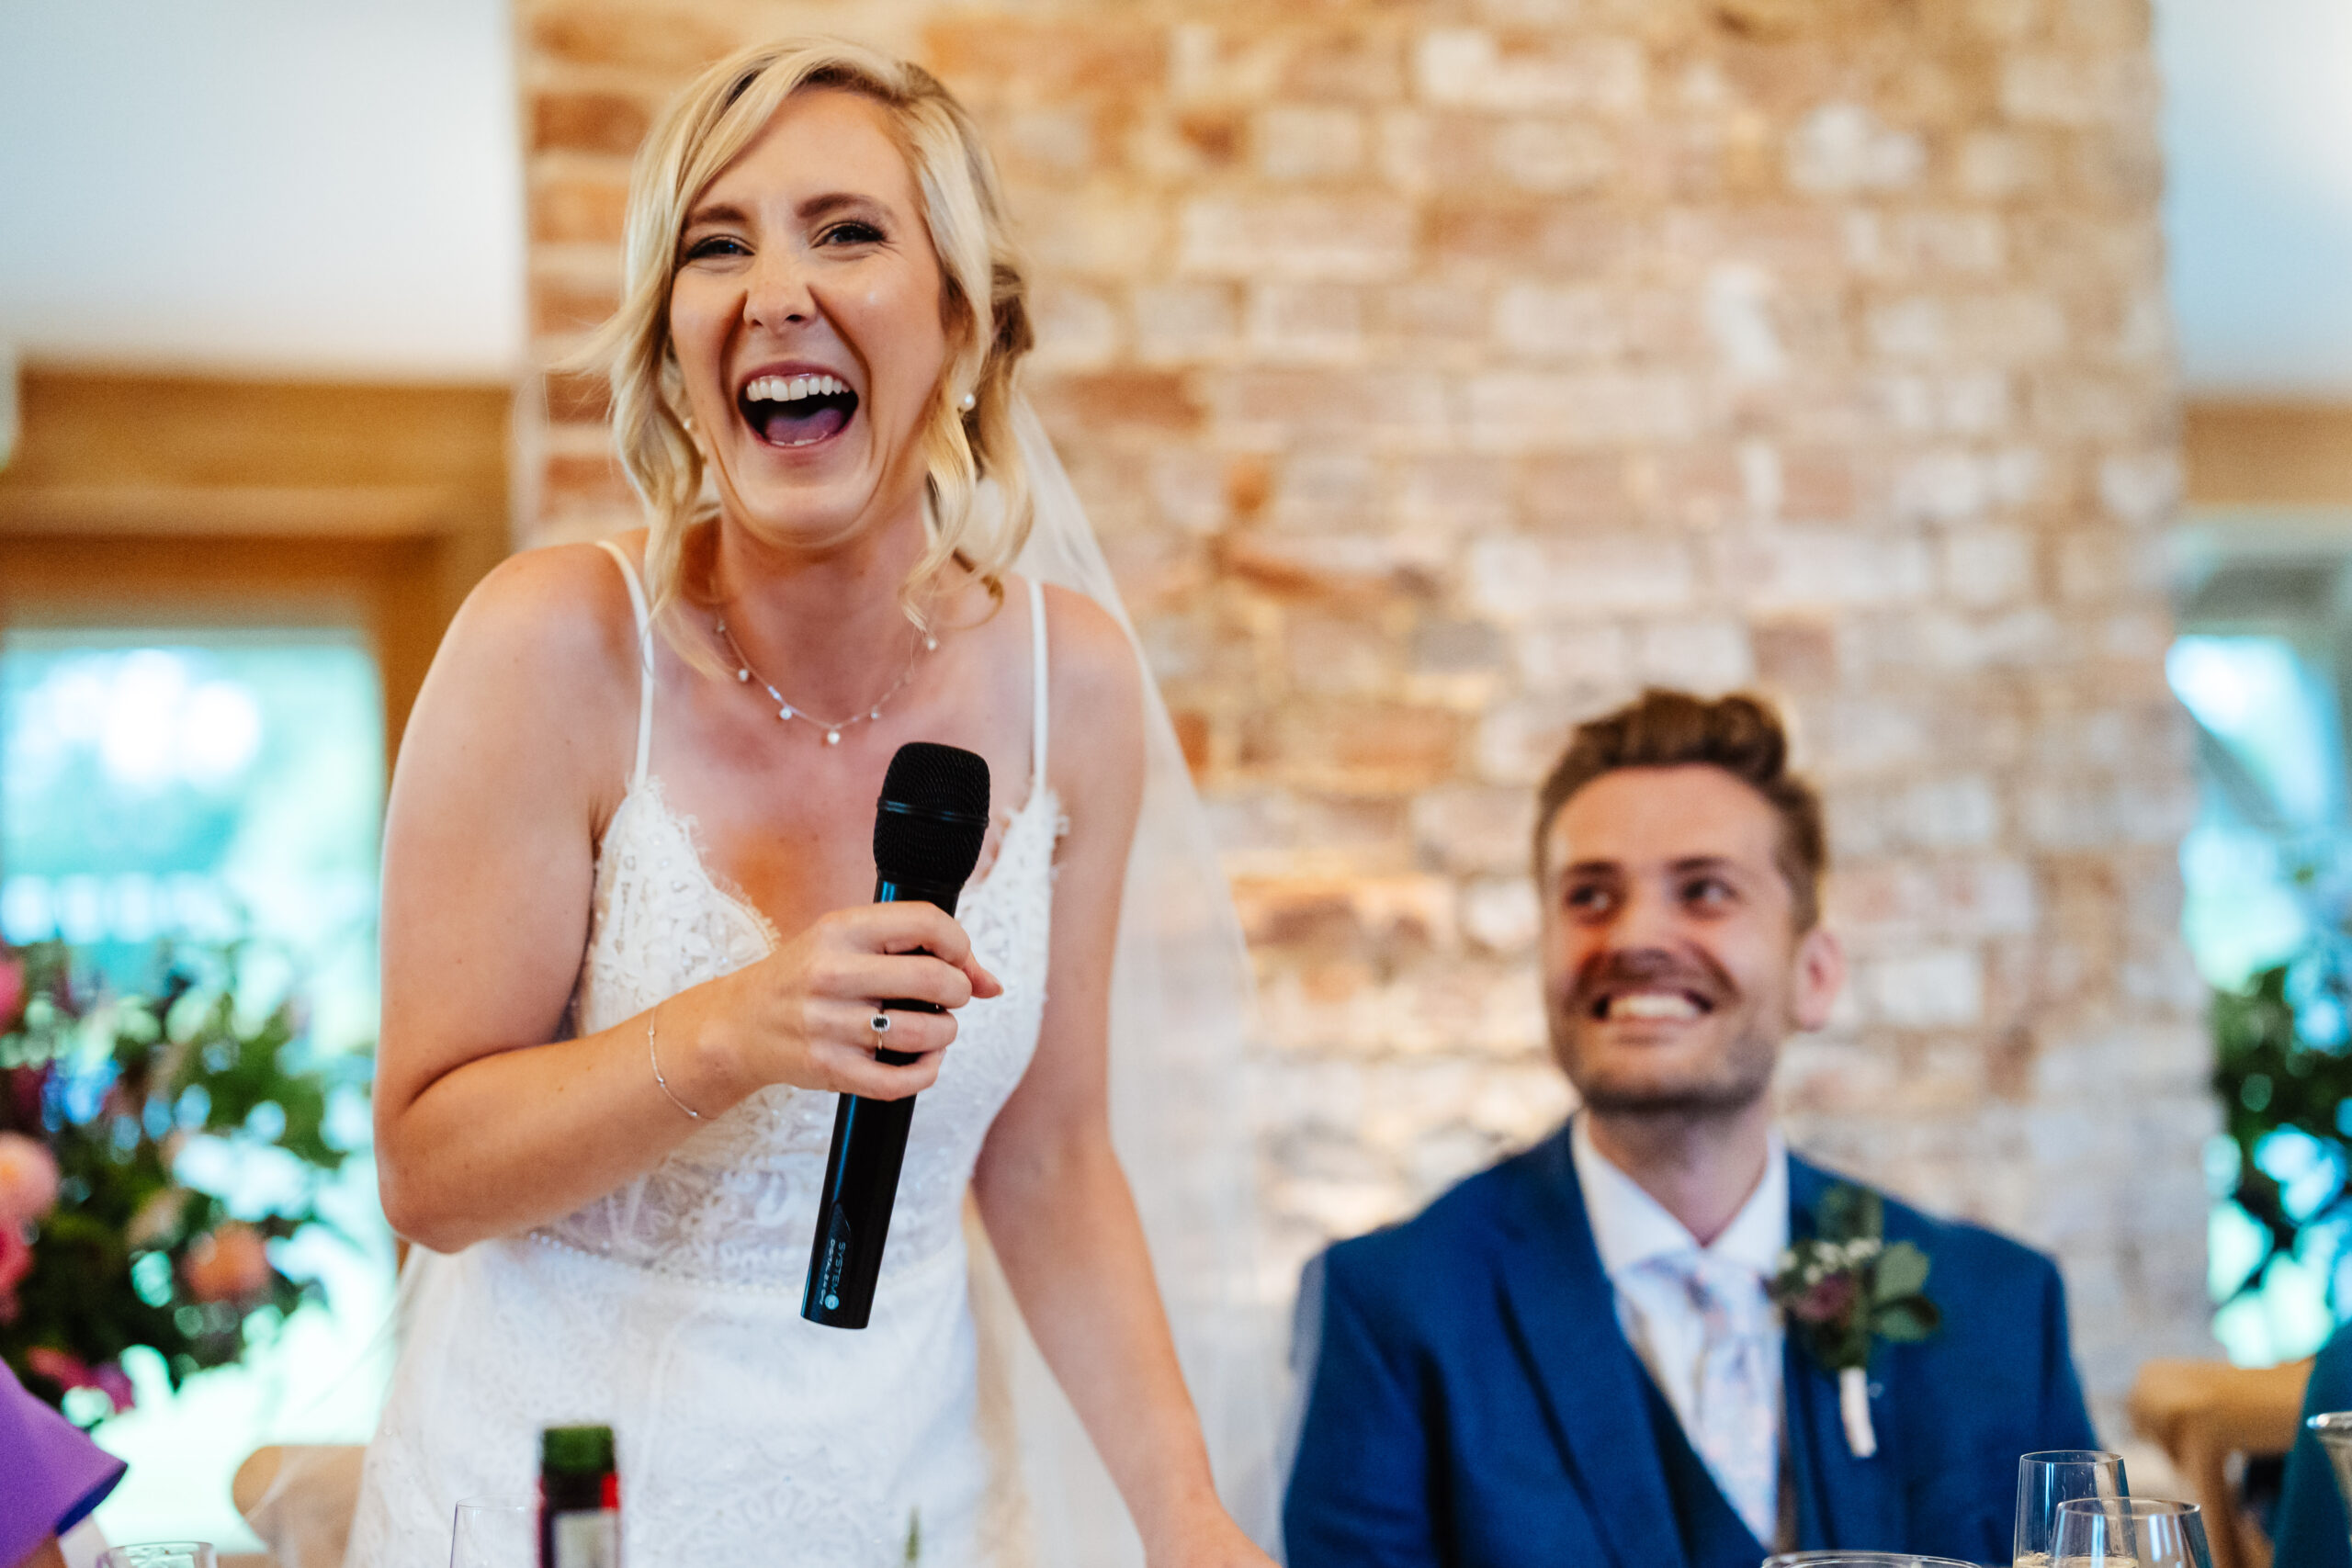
[{"x": 1843, "y": 1287}]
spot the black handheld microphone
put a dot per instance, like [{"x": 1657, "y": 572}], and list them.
[{"x": 927, "y": 831}]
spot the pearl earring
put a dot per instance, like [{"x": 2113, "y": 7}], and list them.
[{"x": 969, "y": 403}]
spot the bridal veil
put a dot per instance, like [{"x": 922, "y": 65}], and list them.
[{"x": 1181, "y": 995}]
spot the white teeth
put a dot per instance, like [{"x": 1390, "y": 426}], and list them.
[
  {"x": 1652, "y": 1004},
  {"x": 792, "y": 389}
]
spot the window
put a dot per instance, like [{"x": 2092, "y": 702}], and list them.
[
  {"x": 218, "y": 600},
  {"x": 216, "y": 782},
  {"x": 2261, "y": 667}
]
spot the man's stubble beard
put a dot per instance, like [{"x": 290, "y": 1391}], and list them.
[
  {"x": 1736, "y": 1080},
  {"x": 1743, "y": 1077}
]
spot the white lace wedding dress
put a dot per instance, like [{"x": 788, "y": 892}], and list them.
[{"x": 670, "y": 1309}]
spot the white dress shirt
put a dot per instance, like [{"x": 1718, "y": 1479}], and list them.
[{"x": 1635, "y": 1233}]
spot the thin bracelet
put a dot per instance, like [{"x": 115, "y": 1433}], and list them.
[{"x": 650, "y": 1014}]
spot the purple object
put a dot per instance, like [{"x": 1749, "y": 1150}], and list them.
[{"x": 50, "y": 1475}]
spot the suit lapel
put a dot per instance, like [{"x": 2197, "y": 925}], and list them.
[
  {"x": 1564, "y": 1317},
  {"x": 1855, "y": 1504}
]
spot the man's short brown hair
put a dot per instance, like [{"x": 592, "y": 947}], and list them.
[{"x": 1740, "y": 734}]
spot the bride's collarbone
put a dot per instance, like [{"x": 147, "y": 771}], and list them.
[{"x": 795, "y": 849}]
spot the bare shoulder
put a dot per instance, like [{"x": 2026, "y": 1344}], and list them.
[
  {"x": 1091, "y": 664},
  {"x": 541, "y": 659},
  {"x": 561, "y": 613},
  {"x": 1096, "y": 754}
]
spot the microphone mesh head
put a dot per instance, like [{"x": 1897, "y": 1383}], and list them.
[{"x": 933, "y": 813}]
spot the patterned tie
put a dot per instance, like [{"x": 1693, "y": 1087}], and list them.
[{"x": 1735, "y": 1425}]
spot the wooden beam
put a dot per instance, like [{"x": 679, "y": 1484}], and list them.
[
  {"x": 233, "y": 501},
  {"x": 2267, "y": 454},
  {"x": 391, "y": 589},
  {"x": 84, "y": 429}
]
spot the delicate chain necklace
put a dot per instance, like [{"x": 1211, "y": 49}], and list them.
[{"x": 787, "y": 712}]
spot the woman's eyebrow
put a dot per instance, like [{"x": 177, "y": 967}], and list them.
[
  {"x": 716, "y": 212},
  {"x": 825, "y": 206}
]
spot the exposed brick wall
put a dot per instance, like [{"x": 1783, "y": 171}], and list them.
[{"x": 1439, "y": 373}]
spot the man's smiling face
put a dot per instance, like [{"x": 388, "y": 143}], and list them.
[{"x": 1672, "y": 963}]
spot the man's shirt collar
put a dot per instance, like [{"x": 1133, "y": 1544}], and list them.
[{"x": 1630, "y": 1228}]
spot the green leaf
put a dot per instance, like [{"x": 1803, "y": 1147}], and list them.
[
  {"x": 1901, "y": 1271},
  {"x": 1838, "y": 1217},
  {"x": 1870, "y": 1214},
  {"x": 1906, "y": 1321},
  {"x": 1851, "y": 1213}
]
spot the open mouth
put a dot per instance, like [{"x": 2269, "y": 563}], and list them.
[
  {"x": 796, "y": 411},
  {"x": 1649, "y": 1006}
]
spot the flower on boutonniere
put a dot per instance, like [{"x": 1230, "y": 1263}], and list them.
[{"x": 1842, "y": 1288}]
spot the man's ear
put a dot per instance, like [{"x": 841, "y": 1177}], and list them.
[{"x": 1820, "y": 976}]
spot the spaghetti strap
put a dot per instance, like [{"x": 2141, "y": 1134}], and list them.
[
  {"x": 1037, "y": 652},
  {"x": 644, "y": 659}
]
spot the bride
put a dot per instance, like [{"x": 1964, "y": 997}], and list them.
[{"x": 629, "y": 958}]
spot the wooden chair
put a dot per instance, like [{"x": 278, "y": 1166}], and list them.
[
  {"x": 2200, "y": 1412},
  {"x": 299, "y": 1498}
]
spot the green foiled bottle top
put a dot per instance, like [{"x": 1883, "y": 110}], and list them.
[{"x": 576, "y": 1451}]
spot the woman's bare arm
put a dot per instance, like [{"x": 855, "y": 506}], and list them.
[
  {"x": 1057, "y": 1204},
  {"x": 517, "y": 749}
]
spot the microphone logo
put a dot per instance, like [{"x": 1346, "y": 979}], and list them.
[{"x": 836, "y": 1259}]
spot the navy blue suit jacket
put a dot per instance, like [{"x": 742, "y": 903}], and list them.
[
  {"x": 1472, "y": 1401},
  {"x": 2311, "y": 1527}
]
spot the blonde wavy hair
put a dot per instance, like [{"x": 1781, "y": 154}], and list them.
[{"x": 718, "y": 115}]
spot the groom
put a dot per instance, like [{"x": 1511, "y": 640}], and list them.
[{"x": 1572, "y": 1359}]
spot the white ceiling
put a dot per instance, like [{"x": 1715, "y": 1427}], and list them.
[
  {"x": 2257, "y": 131},
  {"x": 332, "y": 186},
  {"x": 306, "y": 186}
]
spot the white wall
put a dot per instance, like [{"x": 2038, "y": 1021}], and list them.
[
  {"x": 2258, "y": 211},
  {"x": 332, "y": 186},
  {"x": 327, "y": 186}
]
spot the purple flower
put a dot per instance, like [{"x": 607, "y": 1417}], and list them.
[
  {"x": 1826, "y": 1301},
  {"x": 27, "y": 1089}
]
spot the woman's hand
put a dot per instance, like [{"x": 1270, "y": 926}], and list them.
[{"x": 803, "y": 1015}]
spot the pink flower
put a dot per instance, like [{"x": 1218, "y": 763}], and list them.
[
  {"x": 28, "y": 1180},
  {"x": 16, "y": 1262},
  {"x": 71, "y": 1372},
  {"x": 229, "y": 1265},
  {"x": 12, "y": 992},
  {"x": 1826, "y": 1301}
]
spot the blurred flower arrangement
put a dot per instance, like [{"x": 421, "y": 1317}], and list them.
[
  {"x": 105, "y": 1246},
  {"x": 2283, "y": 1068}
]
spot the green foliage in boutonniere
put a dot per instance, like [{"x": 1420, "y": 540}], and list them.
[{"x": 1843, "y": 1286}]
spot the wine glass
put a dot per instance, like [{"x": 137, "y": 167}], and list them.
[
  {"x": 2333, "y": 1431},
  {"x": 2045, "y": 1481},
  {"x": 496, "y": 1532},
  {"x": 1861, "y": 1560},
  {"x": 159, "y": 1554},
  {"x": 2131, "y": 1533}
]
